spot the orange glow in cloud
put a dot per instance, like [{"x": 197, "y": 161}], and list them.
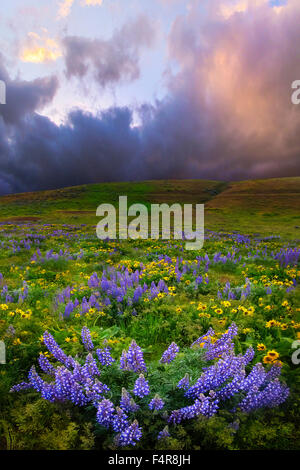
[
  {"x": 40, "y": 50},
  {"x": 238, "y": 95},
  {"x": 229, "y": 8}
]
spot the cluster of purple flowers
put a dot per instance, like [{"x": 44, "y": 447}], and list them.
[
  {"x": 228, "y": 377},
  {"x": 156, "y": 403},
  {"x": 141, "y": 387},
  {"x": 50, "y": 255},
  {"x": 170, "y": 354},
  {"x": 184, "y": 382},
  {"x": 127, "y": 403},
  {"x": 133, "y": 359},
  {"x": 120, "y": 421},
  {"x": 117, "y": 419},
  {"x": 104, "y": 356},
  {"x": 204, "y": 405},
  {"x": 105, "y": 413},
  {"x": 223, "y": 345},
  {"x": 130, "y": 435},
  {"x": 72, "y": 381},
  {"x": 15, "y": 296},
  {"x": 87, "y": 339},
  {"x": 121, "y": 286}
]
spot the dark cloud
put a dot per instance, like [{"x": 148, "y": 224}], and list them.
[
  {"x": 25, "y": 97},
  {"x": 227, "y": 115},
  {"x": 86, "y": 149},
  {"x": 109, "y": 61}
]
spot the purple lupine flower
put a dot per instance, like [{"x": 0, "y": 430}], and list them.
[
  {"x": 104, "y": 356},
  {"x": 87, "y": 339},
  {"x": 133, "y": 359},
  {"x": 130, "y": 435},
  {"x": 272, "y": 395},
  {"x": 45, "y": 365},
  {"x": 120, "y": 420},
  {"x": 56, "y": 351},
  {"x": 69, "y": 309},
  {"x": 90, "y": 368},
  {"x": 184, "y": 382},
  {"x": 170, "y": 354},
  {"x": 141, "y": 387},
  {"x": 95, "y": 391},
  {"x": 105, "y": 413},
  {"x": 209, "y": 405},
  {"x": 273, "y": 373},
  {"x": 67, "y": 388},
  {"x": 156, "y": 403},
  {"x": 255, "y": 378},
  {"x": 35, "y": 380},
  {"x": 216, "y": 375},
  {"x": 223, "y": 345},
  {"x": 206, "y": 406},
  {"x": 232, "y": 387},
  {"x": 164, "y": 434},
  {"x": 127, "y": 403},
  {"x": 206, "y": 338},
  {"x": 249, "y": 355},
  {"x": 175, "y": 417},
  {"x": 123, "y": 360},
  {"x": 21, "y": 386}
]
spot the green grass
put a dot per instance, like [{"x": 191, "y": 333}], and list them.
[
  {"x": 255, "y": 206},
  {"x": 181, "y": 315}
]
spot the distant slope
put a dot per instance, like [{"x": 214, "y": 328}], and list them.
[
  {"x": 276, "y": 194},
  {"x": 87, "y": 198},
  {"x": 268, "y": 206}
]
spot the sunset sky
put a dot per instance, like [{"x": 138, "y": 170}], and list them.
[{"x": 118, "y": 90}]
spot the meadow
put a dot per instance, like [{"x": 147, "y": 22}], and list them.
[{"x": 115, "y": 344}]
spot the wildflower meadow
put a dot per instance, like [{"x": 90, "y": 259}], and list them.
[
  {"x": 149, "y": 230},
  {"x": 142, "y": 344}
]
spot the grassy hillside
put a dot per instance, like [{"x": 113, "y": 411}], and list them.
[
  {"x": 257, "y": 206},
  {"x": 269, "y": 206},
  {"x": 83, "y": 200}
]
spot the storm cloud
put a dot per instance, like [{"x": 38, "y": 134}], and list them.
[
  {"x": 227, "y": 113},
  {"x": 109, "y": 61}
]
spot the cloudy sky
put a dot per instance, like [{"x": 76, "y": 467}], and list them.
[{"x": 112, "y": 90}]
